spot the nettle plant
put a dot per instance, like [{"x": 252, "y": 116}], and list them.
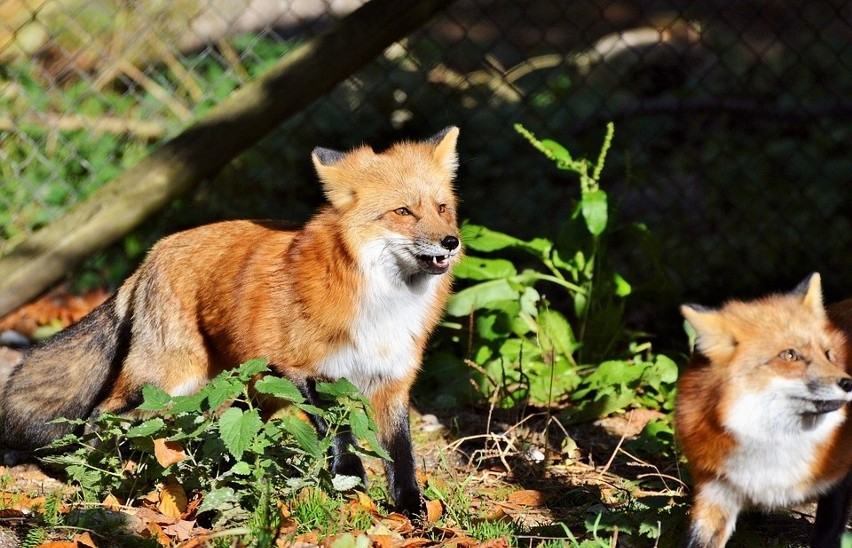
[
  {"x": 553, "y": 329},
  {"x": 215, "y": 444}
]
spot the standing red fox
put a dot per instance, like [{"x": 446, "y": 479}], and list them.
[
  {"x": 355, "y": 293},
  {"x": 762, "y": 412}
]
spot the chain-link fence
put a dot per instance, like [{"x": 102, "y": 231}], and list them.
[{"x": 732, "y": 118}]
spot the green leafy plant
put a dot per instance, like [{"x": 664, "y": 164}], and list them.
[
  {"x": 214, "y": 444},
  {"x": 539, "y": 332}
]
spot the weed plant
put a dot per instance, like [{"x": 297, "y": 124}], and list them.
[
  {"x": 554, "y": 331},
  {"x": 214, "y": 444}
]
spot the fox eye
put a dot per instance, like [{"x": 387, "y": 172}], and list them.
[
  {"x": 829, "y": 355},
  {"x": 402, "y": 211},
  {"x": 442, "y": 208},
  {"x": 789, "y": 355}
]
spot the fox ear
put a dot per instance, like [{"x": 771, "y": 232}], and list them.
[
  {"x": 712, "y": 338},
  {"x": 445, "y": 148},
  {"x": 811, "y": 291},
  {"x": 333, "y": 182}
]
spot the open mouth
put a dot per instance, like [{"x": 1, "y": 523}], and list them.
[
  {"x": 827, "y": 406},
  {"x": 434, "y": 264}
]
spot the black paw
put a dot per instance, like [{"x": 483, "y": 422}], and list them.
[
  {"x": 411, "y": 503},
  {"x": 349, "y": 464}
]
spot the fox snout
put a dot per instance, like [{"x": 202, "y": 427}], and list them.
[
  {"x": 435, "y": 258},
  {"x": 830, "y": 393}
]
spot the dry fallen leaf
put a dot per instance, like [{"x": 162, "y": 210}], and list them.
[
  {"x": 148, "y": 514},
  {"x": 527, "y": 497},
  {"x": 434, "y": 510},
  {"x": 173, "y": 500},
  {"x": 181, "y": 530},
  {"x": 19, "y": 501},
  {"x": 382, "y": 541},
  {"x": 158, "y": 534},
  {"x": 363, "y": 501},
  {"x": 111, "y": 503},
  {"x": 397, "y": 523},
  {"x": 85, "y": 539},
  {"x": 168, "y": 452},
  {"x": 495, "y": 512}
]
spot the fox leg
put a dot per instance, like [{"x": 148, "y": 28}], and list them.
[
  {"x": 714, "y": 516},
  {"x": 832, "y": 515},
  {"x": 344, "y": 462},
  {"x": 391, "y": 408}
]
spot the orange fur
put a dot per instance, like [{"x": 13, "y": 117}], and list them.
[
  {"x": 762, "y": 407},
  {"x": 354, "y": 293}
]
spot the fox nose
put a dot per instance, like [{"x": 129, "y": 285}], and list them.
[
  {"x": 450, "y": 243},
  {"x": 845, "y": 384}
]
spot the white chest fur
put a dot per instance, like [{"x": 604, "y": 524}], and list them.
[
  {"x": 389, "y": 323},
  {"x": 776, "y": 451}
]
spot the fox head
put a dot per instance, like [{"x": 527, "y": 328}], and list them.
[
  {"x": 777, "y": 357},
  {"x": 397, "y": 207}
]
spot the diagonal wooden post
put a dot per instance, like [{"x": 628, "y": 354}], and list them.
[{"x": 199, "y": 152}]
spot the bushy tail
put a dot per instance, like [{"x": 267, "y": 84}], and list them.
[{"x": 66, "y": 376}]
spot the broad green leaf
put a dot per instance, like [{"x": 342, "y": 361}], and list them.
[
  {"x": 221, "y": 390},
  {"x": 615, "y": 372},
  {"x": 477, "y": 268},
  {"x": 241, "y": 468},
  {"x": 154, "y": 398},
  {"x": 188, "y": 404},
  {"x": 364, "y": 428},
  {"x": 662, "y": 371},
  {"x": 147, "y": 428},
  {"x": 237, "y": 428},
  {"x": 280, "y": 388},
  {"x": 479, "y": 238},
  {"x": 251, "y": 368},
  {"x": 538, "y": 246},
  {"x": 311, "y": 409},
  {"x": 481, "y": 295},
  {"x": 529, "y": 301},
  {"x": 218, "y": 499},
  {"x": 304, "y": 434},
  {"x": 594, "y": 208},
  {"x": 555, "y": 332},
  {"x": 339, "y": 388}
]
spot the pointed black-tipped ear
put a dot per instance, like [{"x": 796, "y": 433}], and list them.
[
  {"x": 810, "y": 289},
  {"x": 438, "y": 137},
  {"x": 334, "y": 183},
  {"x": 445, "y": 148},
  {"x": 804, "y": 285},
  {"x": 327, "y": 157}
]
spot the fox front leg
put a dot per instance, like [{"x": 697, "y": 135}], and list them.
[
  {"x": 344, "y": 462},
  {"x": 714, "y": 516},
  {"x": 395, "y": 437},
  {"x": 832, "y": 515}
]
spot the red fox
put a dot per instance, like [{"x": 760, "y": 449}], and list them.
[
  {"x": 762, "y": 410},
  {"x": 355, "y": 293}
]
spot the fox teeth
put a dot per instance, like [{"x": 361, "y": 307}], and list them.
[{"x": 439, "y": 259}]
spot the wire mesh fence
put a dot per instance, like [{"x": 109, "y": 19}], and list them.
[{"x": 732, "y": 119}]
